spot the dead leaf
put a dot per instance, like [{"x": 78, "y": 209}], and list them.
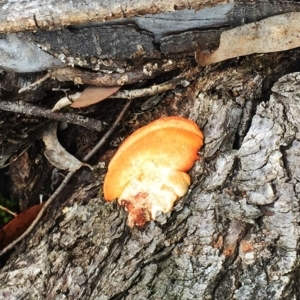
[
  {"x": 273, "y": 34},
  {"x": 7, "y": 151},
  {"x": 56, "y": 154},
  {"x": 94, "y": 94},
  {"x": 17, "y": 226}
]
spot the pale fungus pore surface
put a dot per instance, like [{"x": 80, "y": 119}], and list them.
[
  {"x": 148, "y": 172},
  {"x": 277, "y": 33}
]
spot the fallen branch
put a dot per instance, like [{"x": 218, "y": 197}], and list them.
[
  {"x": 32, "y": 110},
  {"x": 148, "y": 71},
  {"x": 65, "y": 181}
]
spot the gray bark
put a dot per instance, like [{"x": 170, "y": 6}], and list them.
[
  {"x": 128, "y": 30},
  {"x": 236, "y": 234}
]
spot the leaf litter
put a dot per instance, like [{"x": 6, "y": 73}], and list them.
[
  {"x": 91, "y": 95},
  {"x": 56, "y": 154}
]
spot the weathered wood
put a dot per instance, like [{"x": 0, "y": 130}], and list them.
[
  {"x": 225, "y": 240},
  {"x": 236, "y": 235},
  {"x": 32, "y": 15},
  {"x": 141, "y": 35}
]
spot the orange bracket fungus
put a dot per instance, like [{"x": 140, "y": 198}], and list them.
[{"x": 148, "y": 172}]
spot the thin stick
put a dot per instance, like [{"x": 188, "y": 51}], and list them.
[
  {"x": 107, "y": 134},
  {"x": 149, "y": 91},
  {"x": 65, "y": 181},
  {"x": 8, "y": 211},
  {"x": 35, "y": 84},
  {"x": 33, "y": 110}
]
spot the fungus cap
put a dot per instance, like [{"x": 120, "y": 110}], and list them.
[{"x": 147, "y": 173}]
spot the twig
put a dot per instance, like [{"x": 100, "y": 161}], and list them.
[
  {"x": 32, "y": 110},
  {"x": 107, "y": 134},
  {"x": 8, "y": 211},
  {"x": 150, "y": 91},
  {"x": 65, "y": 182},
  {"x": 36, "y": 84}
]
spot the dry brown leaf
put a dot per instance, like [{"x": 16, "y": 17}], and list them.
[
  {"x": 273, "y": 34},
  {"x": 94, "y": 94},
  {"x": 56, "y": 154},
  {"x": 17, "y": 226}
]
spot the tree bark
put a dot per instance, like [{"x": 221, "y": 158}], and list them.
[
  {"x": 135, "y": 31},
  {"x": 236, "y": 234}
]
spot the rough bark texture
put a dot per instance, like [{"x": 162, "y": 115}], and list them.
[
  {"x": 30, "y": 15},
  {"x": 136, "y": 31},
  {"x": 235, "y": 235}
]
